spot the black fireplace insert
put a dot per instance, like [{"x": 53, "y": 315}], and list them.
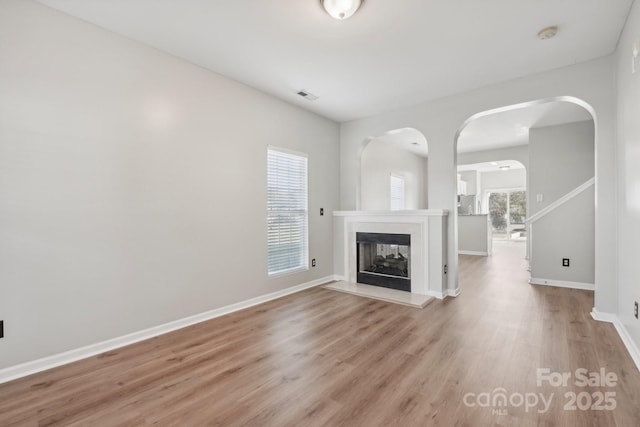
[{"x": 384, "y": 259}]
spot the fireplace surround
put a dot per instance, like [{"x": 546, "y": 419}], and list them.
[{"x": 427, "y": 250}]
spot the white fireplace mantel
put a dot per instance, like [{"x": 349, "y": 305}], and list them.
[{"x": 428, "y": 230}]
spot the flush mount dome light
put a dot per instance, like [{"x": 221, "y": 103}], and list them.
[
  {"x": 341, "y": 9},
  {"x": 548, "y": 32}
]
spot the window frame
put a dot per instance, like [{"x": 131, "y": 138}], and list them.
[
  {"x": 401, "y": 178},
  {"x": 303, "y": 214}
]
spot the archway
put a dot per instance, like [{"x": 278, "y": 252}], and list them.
[
  {"x": 393, "y": 171},
  {"x": 562, "y": 189}
]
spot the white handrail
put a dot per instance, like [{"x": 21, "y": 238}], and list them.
[{"x": 561, "y": 201}]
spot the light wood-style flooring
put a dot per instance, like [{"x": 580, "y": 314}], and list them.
[{"x": 326, "y": 358}]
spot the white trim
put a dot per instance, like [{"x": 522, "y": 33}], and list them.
[
  {"x": 561, "y": 201},
  {"x": 32, "y": 367},
  {"x": 447, "y": 293},
  {"x": 603, "y": 317},
  {"x": 453, "y": 292},
  {"x": 562, "y": 284},
  {"x": 628, "y": 342},
  {"x": 473, "y": 253}
]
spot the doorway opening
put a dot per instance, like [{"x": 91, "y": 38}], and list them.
[{"x": 507, "y": 214}]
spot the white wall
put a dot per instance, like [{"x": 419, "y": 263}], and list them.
[
  {"x": 590, "y": 84},
  {"x": 132, "y": 185},
  {"x": 379, "y": 160},
  {"x": 561, "y": 158},
  {"x": 500, "y": 180},
  {"x": 628, "y": 231},
  {"x": 473, "y": 182}
]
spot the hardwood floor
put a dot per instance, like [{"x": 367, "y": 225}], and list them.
[{"x": 321, "y": 357}]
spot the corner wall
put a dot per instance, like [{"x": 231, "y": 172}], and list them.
[
  {"x": 132, "y": 185},
  {"x": 628, "y": 235}
]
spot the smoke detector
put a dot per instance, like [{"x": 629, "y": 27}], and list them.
[
  {"x": 307, "y": 95},
  {"x": 548, "y": 32}
]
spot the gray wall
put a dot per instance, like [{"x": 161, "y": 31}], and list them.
[
  {"x": 132, "y": 185},
  {"x": 473, "y": 233},
  {"x": 560, "y": 159},
  {"x": 628, "y": 234},
  {"x": 382, "y": 158}
]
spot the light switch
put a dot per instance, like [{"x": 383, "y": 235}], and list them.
[{"x": 538, "y": 197}]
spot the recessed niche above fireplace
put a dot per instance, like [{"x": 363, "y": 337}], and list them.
[{"x": 384, "y": 259}]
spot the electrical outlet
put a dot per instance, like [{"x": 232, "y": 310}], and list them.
[
  {"x": 565, "y": 262},
  {"x": 635, "y": 309},
  {"x": 321, "y": 211},
  {"x": 313, "y": 262},
  {"x": 2, "y": 327}
]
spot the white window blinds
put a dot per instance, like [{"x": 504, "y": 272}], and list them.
[
  {"x": 287, "y": 215},
  {"x": 397, "y": 192}
]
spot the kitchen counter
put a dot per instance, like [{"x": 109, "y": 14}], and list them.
[{"x": 474, "y": 235}]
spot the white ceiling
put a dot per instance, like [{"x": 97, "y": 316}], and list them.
[
  {"x": 511, "y": 128},
  {"x": 491, "y": 166},
  {"x": 390, "y": 54},
  {"x": 408, "y": 139}
]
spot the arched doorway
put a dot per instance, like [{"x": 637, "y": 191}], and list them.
[
  {"x": 393, "y": 171},
  {"x": 555, "y": 139}
]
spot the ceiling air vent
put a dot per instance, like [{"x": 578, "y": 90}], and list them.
[{"x": 307, "y": 95}]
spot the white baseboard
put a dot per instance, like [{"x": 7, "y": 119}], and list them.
[
  {"x": 473, "y": 253},
  {"x": 446, "y": 293},
  {"x": 453, "y": 292},
  {"x": 631, "y": 346},
  {"x": 28, "y": 368},
  {"x": 436, "y": 294},
  {"x": 562, "y": 284}
]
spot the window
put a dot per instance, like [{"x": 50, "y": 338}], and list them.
[
  {"x": 397, "y": 192},
  {"x": 287, "y": 215}
]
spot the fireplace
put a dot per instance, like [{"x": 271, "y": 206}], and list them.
[{"x": 384, "y": 260}]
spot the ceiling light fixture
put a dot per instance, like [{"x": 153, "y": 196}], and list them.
[
  {"x": 505, "y": 167},
  {"x": 341, "y": 9},
  {"x": 548, "y": 32}
]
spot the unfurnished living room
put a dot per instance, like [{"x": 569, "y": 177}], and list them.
[{"x": 319, "y": 213}]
